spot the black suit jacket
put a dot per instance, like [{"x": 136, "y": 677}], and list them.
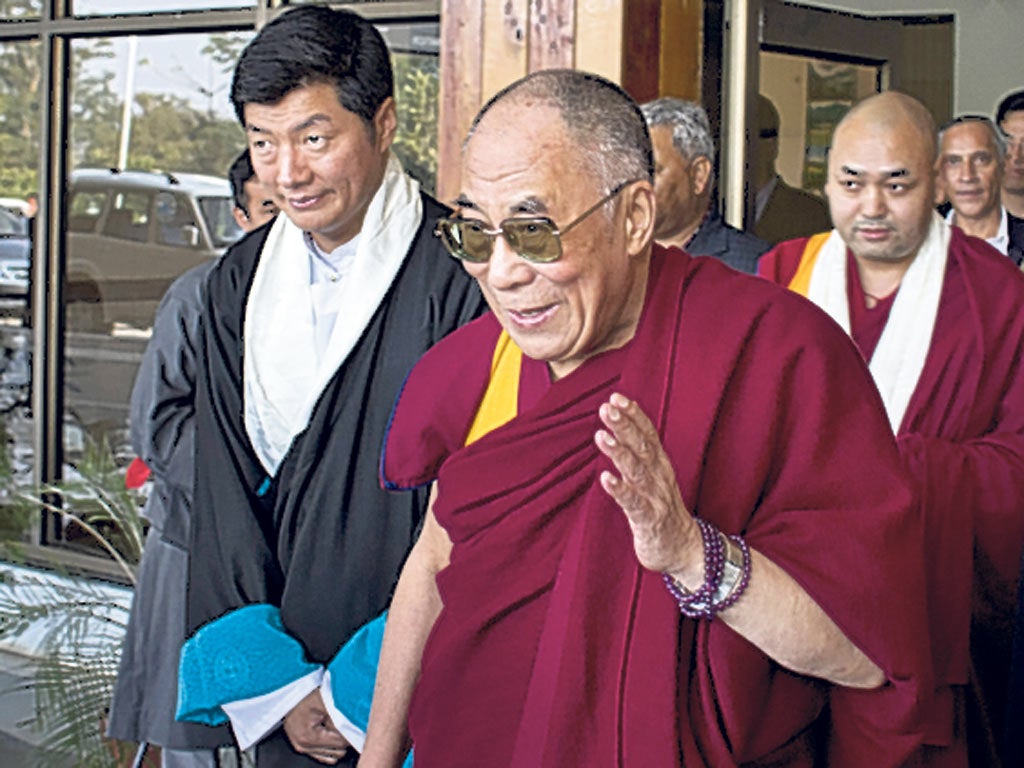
[{"x": 1015, "y": 229}]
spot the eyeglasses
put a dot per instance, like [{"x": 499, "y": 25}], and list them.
[{"x": 534, "y": 238}]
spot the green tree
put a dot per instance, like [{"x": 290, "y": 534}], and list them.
[
  {"x": 169, "y": 134},
  {"x": 95, "y": 108},
  {"x": 416, "y": 96},
  {"x": 19, "y": 115},
  {"x": 225, "y": 49},
  {"x": 20, "y": 9}
]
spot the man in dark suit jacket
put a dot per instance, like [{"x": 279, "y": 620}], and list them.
[
  {"x": 684, "y": 158},
  {"x": 782, "y": 212}
]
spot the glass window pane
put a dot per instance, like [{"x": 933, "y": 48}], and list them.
[
  {"x": 21, "y": 9},
  {"x": 20, "y": 65},
  {"x": 111, "y": 7},
  {"x": 811, "y": 94},
  {"x": 147, "y": 198},
  {"x": 415, "y": 50}
]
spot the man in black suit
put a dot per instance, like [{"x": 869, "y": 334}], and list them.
[
  {"x": 1010, "y": 119},
  {"x": 781, "y": 212}
]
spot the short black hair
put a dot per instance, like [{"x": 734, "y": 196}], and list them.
[
  {"x": 1013, "y": 102},
  {"x": 310, "y": 45},
  {"x": 239, "y": 173}
]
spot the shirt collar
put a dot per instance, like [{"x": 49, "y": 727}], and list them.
[
  {"x": 1001, "y": 239},
  {"x": 331, "y": 266},
  {"x": 765, "y": 192}
]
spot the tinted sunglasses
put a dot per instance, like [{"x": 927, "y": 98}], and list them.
[{"x": 534, "y": 238}]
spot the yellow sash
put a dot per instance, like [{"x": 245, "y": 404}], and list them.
[
  {"x": 500, "y": 401},
  {"x": 801, "y": 282}
]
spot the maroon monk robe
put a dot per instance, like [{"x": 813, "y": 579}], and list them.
[
  {"x": 962, "y": 440},
  {"x": 556, "y": 648}
]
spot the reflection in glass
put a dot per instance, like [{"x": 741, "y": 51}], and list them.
[
  {"x": 415, "y": 50},
  {"x": 148, "y": 199},
  {"x": 811, "y": 95},
  {"x": 20, "y": 9},
  {"x": 20, "y": 73}
]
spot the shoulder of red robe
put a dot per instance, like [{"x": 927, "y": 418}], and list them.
[{"x": 436, "y": 405}]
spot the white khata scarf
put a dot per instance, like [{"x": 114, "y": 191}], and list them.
[
  {"x": 899, "y": 357},
  {"x": 283, "y": 373}
]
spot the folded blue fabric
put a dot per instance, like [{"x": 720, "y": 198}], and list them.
[
  {"x": 244, "y": 653},
  {"x": 354, "y": 673},
  {"x": 249, "y": 653}
]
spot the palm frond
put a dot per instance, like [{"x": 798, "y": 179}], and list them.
[{"x": 74, "y": 627}]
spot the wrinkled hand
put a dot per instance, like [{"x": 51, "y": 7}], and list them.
[
  {"x": 311, "y": 732},
  {"x": 665, "y": 535}
]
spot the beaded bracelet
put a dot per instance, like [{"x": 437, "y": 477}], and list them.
[
  {"x": 724, "y": 579},
  {"x": 700, "y": 604}
]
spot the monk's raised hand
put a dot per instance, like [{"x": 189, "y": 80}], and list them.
[{"x": 665, "y": 536}]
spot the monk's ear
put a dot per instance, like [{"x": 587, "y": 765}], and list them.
[{"x": 638, "y": 203}]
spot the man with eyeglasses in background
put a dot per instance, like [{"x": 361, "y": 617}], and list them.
[
  {"x": 310, "y": 326},
  {"x": 938, "y": 316},
  {"x": 972, "y": 155},
  {"x": 645, "y": 509},
  {"x": 1010, "y": 119}
]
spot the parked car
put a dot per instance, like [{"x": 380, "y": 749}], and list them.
[
  {"x": 15, "y": 254},
  {"x": 15, "y": 205},
  {"x": 131, "y": 233}
]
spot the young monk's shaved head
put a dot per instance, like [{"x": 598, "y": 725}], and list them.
[
  {"x": 892, "y": 112},
  {"x": 881, "y": 178}
]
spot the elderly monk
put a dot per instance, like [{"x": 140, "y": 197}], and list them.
[
  {"x": 937, "y": 314},
  {"x": 651, "y": 542}
]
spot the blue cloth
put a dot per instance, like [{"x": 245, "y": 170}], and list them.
[
  {"x": 247, "y": 653},
  {"x": 243, "y": 654},
  {"x": 354, "y": 674}
]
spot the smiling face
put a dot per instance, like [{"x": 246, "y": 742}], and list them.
[
  {"x": 880, "y": 187},
  {"x": 321, "y": 162},
  {"x": 970, "y": 170},
  {"x": 520, "y": 161}
]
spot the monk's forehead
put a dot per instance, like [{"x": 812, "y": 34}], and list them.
[
  {"x": 519, "y": 140},
  {"x": 893, "y": 140}
]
